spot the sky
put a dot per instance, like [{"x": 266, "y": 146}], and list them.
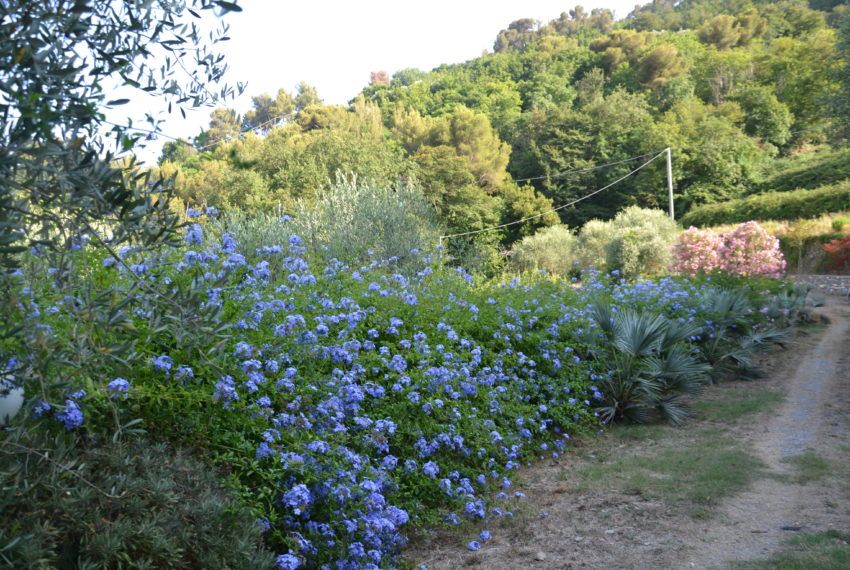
[{"x": 334, "y": 45}]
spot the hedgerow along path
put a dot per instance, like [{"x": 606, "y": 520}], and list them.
[{"x": 789, "y": 453}]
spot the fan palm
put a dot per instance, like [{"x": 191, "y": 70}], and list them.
[{"x": 652, "y": 370}]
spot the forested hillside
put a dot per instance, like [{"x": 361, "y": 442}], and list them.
[{"x": 730, "y": 85}]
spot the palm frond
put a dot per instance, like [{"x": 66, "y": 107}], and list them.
[
  {"x": 674, "y": 409},
  {"x": 639, "y": 334}
]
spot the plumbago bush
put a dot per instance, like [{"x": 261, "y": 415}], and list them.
[
  {"x": 747, "y": 249},
  {"x": 345, "y": 405}
]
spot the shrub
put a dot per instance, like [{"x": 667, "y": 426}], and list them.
[
  {"x": 746, "y": 249},
  {"x": 839, "y": 223},
  {"x": 838, "y": 253},
  {"x": 592, "y": 243},
  {"x": 641, "y": 242},
  {"x": 550, "y": 249},
  {"x": 637, "y": 241},
  {"x": 697, "y": 251},
  {"x": 651, "y": 366},
  {"x": 346, "y": 403},
  {"x": 749, "y": 250},
  {"x": 350, "y": 221},
  {"x": 126, "y": 505},
  {"x": 773, "y": 206}
]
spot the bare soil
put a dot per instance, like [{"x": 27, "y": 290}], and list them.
[{"x": 562, "y": 525}]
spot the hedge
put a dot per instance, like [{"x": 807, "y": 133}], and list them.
[
  {"x": 772, "y": 206},
  {"x": 807, "y": 171}
]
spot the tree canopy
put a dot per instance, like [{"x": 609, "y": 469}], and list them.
[{"x": 728, "y": 85}]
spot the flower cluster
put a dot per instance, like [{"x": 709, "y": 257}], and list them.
[{"x": 747, "y": 249}]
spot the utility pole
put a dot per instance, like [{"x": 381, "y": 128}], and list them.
[{"x": 670, "y": 181}]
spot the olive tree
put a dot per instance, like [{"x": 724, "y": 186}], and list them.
[{"x": 59, "y": 177}]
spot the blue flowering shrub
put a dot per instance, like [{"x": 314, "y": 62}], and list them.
[{"x": 345, "y": 404}]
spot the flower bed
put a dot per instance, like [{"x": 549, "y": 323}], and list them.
[{"x": 345, "y": 404}]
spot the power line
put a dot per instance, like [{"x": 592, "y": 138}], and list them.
[
  {"x": 589, "y": 168},
  {"x": 559, "y": 207}
]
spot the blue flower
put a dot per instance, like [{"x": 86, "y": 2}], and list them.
[
  {"x": 298, "y": 498},
  {"x": 195, "y": 234},
  {"x": 119, "y": 386},
  {"x": 163, "y": 363},
  {"x": 431, "y": 469},
  {"x": 71, "y": 416},
  {"x": 485, "y": 535},
  {"x": 473, "y": 545},
  {"x": 40, "y": 408},
  {"x": 288, "y": 562}
]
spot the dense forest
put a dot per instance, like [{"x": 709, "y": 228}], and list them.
[{"x": 555, "y": 112}]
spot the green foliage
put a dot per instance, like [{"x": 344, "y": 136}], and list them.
[
  {"x": 764, "y": 116},
  {"x": 809, "y": 170},
  {"x": 650, "y": 370},
  {"x": 660, "y": 65},
  {"x": 773, "y": 206},
  {"x": 58, "y": 173},
  {"x": 132, "y": 504},
  {"x": 727, "y": 344},
  {"x": 225, "y": 125},
  {"x": 267, "y": 112},
  {"x": 636, "y": 242},
  {"x": 839, "y": 104},
  {"x": 550, "y": 249},
  {"x": 351, "y": 221}
]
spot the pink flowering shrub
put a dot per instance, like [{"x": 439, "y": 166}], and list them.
[
  {"x": 747, "y": 249},
  {"x": 697, "y": 251}
]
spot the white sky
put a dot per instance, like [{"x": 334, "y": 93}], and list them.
[{"x": 335, "y": 44}]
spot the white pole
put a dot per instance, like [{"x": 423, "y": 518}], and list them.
[{"x": 670, "y": 181}]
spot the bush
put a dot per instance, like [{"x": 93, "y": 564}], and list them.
[
  {"x": 838, "y": 253},
  {"x": 350, "y": 221},
  {"x": 773, "y": 206},
  {"x": 697, "y": 251},
  {"x": 126, "y": 505},
  {"x": 550, "y": 249},
  {"x": 746, "y": 249},
  {"x": 636, "y": 242},
  {"x": 592, "y": 243}
]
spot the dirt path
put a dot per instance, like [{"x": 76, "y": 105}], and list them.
[
  {"x": 563, "y": 526},
  {"x": 811, "y": 420}
]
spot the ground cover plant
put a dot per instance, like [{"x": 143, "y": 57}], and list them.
[{"x": 346, "y": 405}]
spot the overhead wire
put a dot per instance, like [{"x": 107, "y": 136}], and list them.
[
  {"x": 576, "y": 201},
  {"x": 589, "y": 168}
]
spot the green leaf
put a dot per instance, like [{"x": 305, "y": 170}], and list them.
[{"x": 228, "y": 6}]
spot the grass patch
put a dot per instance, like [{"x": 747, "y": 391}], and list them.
[
  {"x": 809, "y": 467},
  {"x": 814, "y": 551},
  {"x": 705, "y": 471},
  {"x": 635, "y": 433},
  {"x": 738, "y": 403}
]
